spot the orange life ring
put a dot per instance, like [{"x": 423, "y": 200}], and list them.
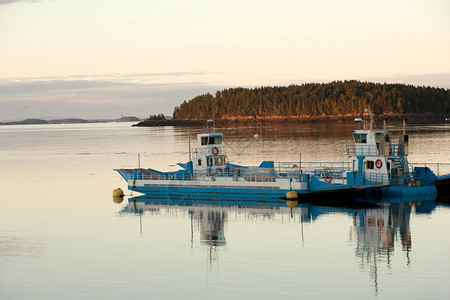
[
  {"x": 215, "y": 150},
  {"x": 213, "y": 178},
  {"x": 328, "y": 178},
  {"x": 378, "y": 163},
  {"x": 380, "y": 223},
  {"x": 238, "y": 171},
  {"x": 295, "y": 166},
  {"x": 268, "y": 179},
  {"x": 155, "y": 177}
]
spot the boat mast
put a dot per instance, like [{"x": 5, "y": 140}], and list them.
[
  {"x": 189, "y": 139},
  {"x": 371, "y": 121}
]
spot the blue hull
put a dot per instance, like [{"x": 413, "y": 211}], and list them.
[
  {"x": 210, "y": 193},
  {"x": 405, "y": 193},
  {"x": 245, "y": 194}
]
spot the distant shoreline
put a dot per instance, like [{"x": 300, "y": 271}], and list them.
[
  {"x": 250, "y": 121},
  {"x": 33, "y": 121}
]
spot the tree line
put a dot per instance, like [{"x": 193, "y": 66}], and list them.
[
  {"x": 158, "y": 117},
  {"x": 316, "y": 99}
]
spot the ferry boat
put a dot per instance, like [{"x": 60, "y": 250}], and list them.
[
  {"x": 381, "y": 162},
  {"x": 377, "y": 169}
]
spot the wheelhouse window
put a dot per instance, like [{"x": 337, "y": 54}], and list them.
[
  {"x": 211, "y": 140},
  {"x": 218, "y": 161},
  {"x": 370, "y": 165},
  {"x": 360, "y": 138},
  {"x": 216, "y": 140}
]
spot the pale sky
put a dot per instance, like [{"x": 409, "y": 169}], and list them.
[{"x": 104, "y": 59}]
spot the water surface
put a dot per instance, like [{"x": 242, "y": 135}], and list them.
[{"x": 62, "y": 236}]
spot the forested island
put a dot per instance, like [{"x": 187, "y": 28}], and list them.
[{"x": 337, "y": 100}]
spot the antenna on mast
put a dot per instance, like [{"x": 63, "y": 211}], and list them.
[
  {"x": 371, "y": 121},
  {"x": 367, "y": 110}
]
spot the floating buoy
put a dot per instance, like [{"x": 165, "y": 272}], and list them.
[
  {"x": 118, "y": 193},
  {"x": 118, "y": 199},
  {"x": 291, "y": 195},
  {"x": 292, "y": 203}
]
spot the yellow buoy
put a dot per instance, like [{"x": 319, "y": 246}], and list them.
[
  {"x": 118, "y": 193},
  {"x": 291, "y": 195},
  {"x": 118, "y": 199},
  {"x": 292, "y": 203}
]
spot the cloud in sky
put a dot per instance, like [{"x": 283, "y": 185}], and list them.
[
  {"x": 440, "y": 80},
  {"x": 142, "y": 57},
  {"x": 92, "y": 99},
  {"x": 248, "y": 42},
  {"x": 100, "y": 95},
  {"x": 114, "y": 95},
  {"x": 4, "y": 2},
  {"x": 118, "y": 77}
]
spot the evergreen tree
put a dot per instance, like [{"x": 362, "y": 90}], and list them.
[{"x": 313, "y": 99}]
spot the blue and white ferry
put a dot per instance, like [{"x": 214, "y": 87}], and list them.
[
  {"x": 384, "y": 166},
  {"x": 377, "y": 168}
]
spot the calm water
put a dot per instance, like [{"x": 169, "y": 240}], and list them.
[{"x": 62, "y": 237}]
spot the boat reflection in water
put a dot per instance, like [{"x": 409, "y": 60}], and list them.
[{"x": 375, "y": 227}]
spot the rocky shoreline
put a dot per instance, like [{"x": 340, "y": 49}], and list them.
[{"x": 258, "y": 121}]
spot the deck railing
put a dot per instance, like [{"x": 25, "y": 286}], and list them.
[
  {"x": 437, "y": 168},
  {"x": 400, "y": 180},
  {"x": 371, "y": 150},
  {"x": 377, "y": 178},
  {"x": 361, "y": 150},
  {"x": 410, "y": 180},
  {"x": 297, "y": 171},
  {"x": 223, "y": 177},
  {"x": 305, "y": 167}
]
